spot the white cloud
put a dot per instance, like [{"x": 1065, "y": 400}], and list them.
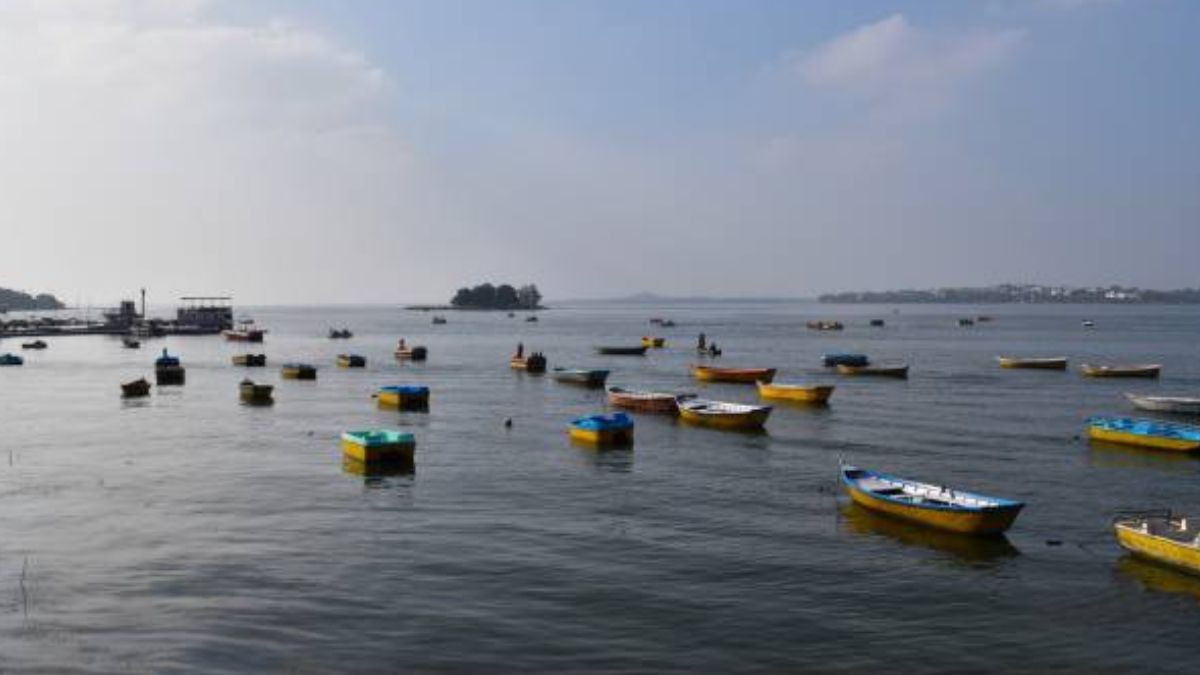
[
  {"x": 901, "y": 68},
  {"x": 152, "y": 142}
]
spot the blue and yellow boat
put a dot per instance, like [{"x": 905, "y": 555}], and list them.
[
  {"x": 378, "y": 445},
  {"x": 614, "y": 429},
  {"x": 931, "y": 505},
  {"x": 404, "y": 397},
  {"x": 1161, "y": 537},
  {"x": 1145, "y": 433}
]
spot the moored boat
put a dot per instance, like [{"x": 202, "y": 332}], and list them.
[
  {"x": 797, "y": 393},
  {"x": 379, "y": 445},
  {"x": 622, "y": 351},
  {"x": 1182, "y": 405},
  {"x": 825, "y": 325},
  {"x": 245, "y": 332},
  {"x": 722, "y": 415},
  {"x": 298, "y": 371},
  {"x": 250, "y": 360},
  {"x": 131, "y": 343},
  {"x": 534, "y": 363},
  {"x": 931, "y": 505},
  {"x": 340, "y": 334},
  {"x": 1145, "y": 433},
  {"x": 586, "y": 378},
  {"x": 136, "y": 389},
  {"x": 1161, "y": 537},
  {"x": 36, "y": 344},
  {"x": 351, "y": 361},
  {"x": 897, "y": 370},
  {"x": 877, "y": 323},
  {"x": 966, "y": 322},
  {"x": 833, "y": 360},
  {"x": 413, "y": 397},
  {"x": 735, "y": 375},
  {"x": 642, "y": 401},
  {"x": 609, "y": 430},
  {"x": 414, "y": 353},
  {"x": 655, "y": 342},
  {"x": 1139, "y": 370},
  {"x": 255, "y": 393},
  {"x": 1039, "y": 363},
  {"x": 11, "y": 360},
  {"x": 168, "y": 370},
  {"x": 439, "y": 320}
]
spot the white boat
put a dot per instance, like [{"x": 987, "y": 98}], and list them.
[{"x": 1171, "y": 404}]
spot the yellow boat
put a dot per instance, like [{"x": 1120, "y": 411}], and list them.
[
  {"x": 378, "y": 445},
  {"x": 656, "y": 342},
  {"x": 722, "y": 415},
  {"x": 1162, "y": 538},
  {"x": 298, "y": 371},
  {"x": 608, "y": 430},
  {"x": 1140, "y": 370},
  {"x": 1145, "y": 433},
  {"x": 351, "y": 361},
  {"x": 1053, "y": 363},
  {"x": 815, "y": 394},
  {"x": 931, "y": 505},
  {"x": 404, "y": 397},
  {"x": 739, "y": 375}
]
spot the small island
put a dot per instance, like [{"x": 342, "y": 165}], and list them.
[
  {"x": 1022, "y": 293},
  {"x": 489, "y": 296},
  {"x": 11, "y": 300}
]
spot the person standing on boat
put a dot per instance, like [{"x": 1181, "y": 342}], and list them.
[
  {"x": 520, "y": 349},
  {"x": 700, "y": 343}
]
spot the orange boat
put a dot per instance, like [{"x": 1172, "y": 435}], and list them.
[
  {"x": 642, "y": 401},
  {"x": 739, "y": 375}
]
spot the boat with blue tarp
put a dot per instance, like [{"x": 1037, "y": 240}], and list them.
[
  {"x": 1145, "y": 433},
  {"x": 612, "y": 429}
]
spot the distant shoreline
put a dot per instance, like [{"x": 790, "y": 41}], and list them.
[
  {"x": 452, "y": 308},
  {"x": 1022, "y": 294}
]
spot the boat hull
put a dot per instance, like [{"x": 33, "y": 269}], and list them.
[
  {"x": 608, "y": 437},
  {"x": 646, "y": 402},
  {"x": 256, "y": 394},
  {"x": 528, "y": 363},
  {"x": 1158, "y": 549},
  {"x": 400, "y": 451},
  {"x": 1150, "y": 371},
  {"x": 1142, "y": 440},
  {"x": 900, "y": 372},
  {"x": 1032, "y": 364},
  {"x": 403, "y": 400},
  {"x": 976, "y": 522},
  {"x": 622, "y": 351},
  {"x": 351, "y": 361},
  {"x": 815, "y": 395},
  {"x": 748, "y": 421},
  {"x": 1167, "y": 404},
  {"x": 593, "y": 379},
  {"x": 733, "y": 375},
  {"x": 654, "y": 342},
  {"x": 169, "y": 375},
  {"x": 298, "y": 373}
]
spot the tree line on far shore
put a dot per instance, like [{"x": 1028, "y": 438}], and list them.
[
  {"x": 16, "y": 300},
  {"x": 504, "y": 296}
]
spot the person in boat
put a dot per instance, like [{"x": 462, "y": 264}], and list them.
[
  {"x": 700, "y": 343},
  {"x": 714, "y": 350},
  {"x": 401, "y": 346},
  {"x": 520, "y": 350}
]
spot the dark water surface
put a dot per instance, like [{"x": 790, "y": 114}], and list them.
[{"x": 186, "y": 532}]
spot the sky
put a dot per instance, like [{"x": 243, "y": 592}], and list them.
[{"x": 307, "y": 151}]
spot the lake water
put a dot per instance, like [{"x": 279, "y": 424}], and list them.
[{"x": 186, "y": 532}]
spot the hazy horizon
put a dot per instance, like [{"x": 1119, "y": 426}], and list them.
[{"x": 376, "y": 153}]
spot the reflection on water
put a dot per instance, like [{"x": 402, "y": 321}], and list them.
[
  {"x": 1106, "y": 455},
  {"x": 1157, "y": 577},
  {"x": 963, "y": 548},
  {"x": 605, "y": 458}
]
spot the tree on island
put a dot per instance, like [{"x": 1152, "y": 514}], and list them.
[{"x": 504, "y": 296}]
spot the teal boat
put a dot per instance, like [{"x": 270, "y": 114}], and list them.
[
  {"x": 378, "y": 445},
  {"x": 11, "y": 360}
]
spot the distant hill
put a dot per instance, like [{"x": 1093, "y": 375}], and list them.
[
  {"x": 1023, "y": 293},
  {"x": 18, "y": 301}
]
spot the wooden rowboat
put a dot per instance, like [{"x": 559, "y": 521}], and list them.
[
  {"x": 298, "y": 371},
  {"x": 1143, "y": 370},
  {"x": 607, "y": 430},
  {"x": 642, "y": 401},
  {"x": 409, "y": 397},
  {"x": 737, "y": 375},
  {"x": 899, "y": 370},
  {"x": 534, "y": 363},
  {"x": 655, "y": 342},
  {"x": 136, "y": 389},
  {"x": 351, "y": 361},
  {"x": 417, "y": 353},
  {"x": 640, "y": 350},
  {"x": 1161, "y": 537},
  {"x": 250, "y": 360},
  {"x": 721, "y": 415},
  {"x": 796, "y": 393},
  {"x": 255, "y": 394},
  {"x": 1168, "y": 404},
  {"x": 587, "y": 378},
  {"x": 379, "y": 445},
  {"x": 1145, "y": 433},
  {"x": 824, "y": 325},
  {"x": 931, "y": 505},
  {"x": 1053, "y": 363}
]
